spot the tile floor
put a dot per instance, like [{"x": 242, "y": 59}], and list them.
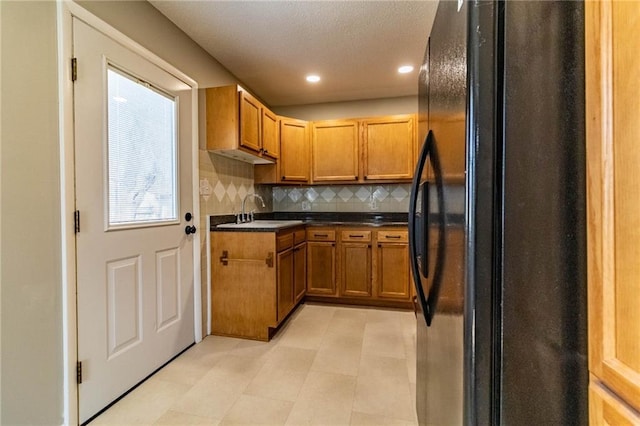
[{"x": 329, "y": 365}]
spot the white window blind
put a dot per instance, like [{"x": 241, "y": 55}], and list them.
[{"x": 142, "y": 152}]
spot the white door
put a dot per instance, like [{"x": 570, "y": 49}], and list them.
[{"x": 133, "y": 190}]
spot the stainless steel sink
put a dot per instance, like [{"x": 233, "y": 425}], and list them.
[{"x": 262, "y": 224}]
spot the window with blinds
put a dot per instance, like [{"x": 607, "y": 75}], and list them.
[{"x": 142, "y": 152}]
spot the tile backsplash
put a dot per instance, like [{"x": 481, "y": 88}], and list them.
[
  {"x": 229, "y": 181},
  {"x": 342, "y": 198}
]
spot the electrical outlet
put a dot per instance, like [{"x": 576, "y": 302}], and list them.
[{"x": 205, "y": 188}]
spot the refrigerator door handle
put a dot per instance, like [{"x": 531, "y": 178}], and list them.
[
  {"x": 424, "y": 225},
  {"x": 428, "y": 302}
]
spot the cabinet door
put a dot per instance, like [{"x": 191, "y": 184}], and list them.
[
  {"x": 388, "y": 147},
  {"x": 334, "y": 151},
  {"x": 355, "y": 269},
  {"x": 294, "y": 150},
  {"x": 393, "y": 271},
  {"x": 299, "y": 271},
  {"x": 321, "y": 268},
  {"x": 613, "y": 195},
  {"x": 607, "y": 410},
  {"x": 270, "y": 141},
  {"x": 285, "y": 283},
  {"x": 250, "y": 117}
]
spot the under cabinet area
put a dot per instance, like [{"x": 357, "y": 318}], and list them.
[{"x": 257, "y": 279}]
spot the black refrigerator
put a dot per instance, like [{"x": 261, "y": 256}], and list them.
[{"x": 497, "y": 216}]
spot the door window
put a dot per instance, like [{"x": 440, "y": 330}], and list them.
[{"x": 142, "y": 153}]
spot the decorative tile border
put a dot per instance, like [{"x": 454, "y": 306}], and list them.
[{"x": 342, "y": 198}]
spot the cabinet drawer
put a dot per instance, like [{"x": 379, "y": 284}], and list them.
[
  {"x": 284, "y": 241},
  {"x": 355, "y": 236},
  {"x": 299, "y": 236},
  {"x": 321, "y": 235},
  {"x": 399, "y": 236}
]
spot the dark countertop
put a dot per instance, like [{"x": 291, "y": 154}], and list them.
[{"x": 313, "y": 219}]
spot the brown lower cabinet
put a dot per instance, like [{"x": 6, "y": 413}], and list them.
[
  {"x": 321, "y": 261},
  {"x": 257, "y": 279},
  {"x": 355, "y": 263},
  {"x": 393, "y": 274},
  {"x": 300, "y": 271},
  {"x": 361, "y": 265}
]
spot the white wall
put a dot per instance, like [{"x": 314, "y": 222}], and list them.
[
  {"x": 352, "y": 109},
  {"x": 31, "y": 311}
]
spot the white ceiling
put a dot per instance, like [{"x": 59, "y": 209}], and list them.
[{"x": 355, "y": 46}]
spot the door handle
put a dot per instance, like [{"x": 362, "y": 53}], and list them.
[
  {"x": 427, "y": 301},
  {"x": 189, "y": 229}
]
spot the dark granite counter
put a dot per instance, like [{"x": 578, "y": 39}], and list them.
[{"x": 310, "y": 218}]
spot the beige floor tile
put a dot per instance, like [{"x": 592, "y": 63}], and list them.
[
  {"x": 291, "y": 358},
  {"x": 320, "y": 386},
  {"x": 277, "y": 383},
  {"x": 216, "y": 344},
  {"x": 252, "y": 349},
  {"x": 313, "y": 312},
  {"x": 303, "y": 335},
  {"x": 323, "y": 412},
  {"x": 337, "y": 362},
  {"x": 383, "y": 340},
  {"x": 339, "y": 354},
  {"x": 328, "y": 365},
  {"x": 385, "y": 316},
  {"x": 189, "y": 368},
  {"x": 220, "y": 388},
  {"x": 362, "y": 419},
  {"x": 383, "y": 388},
  {"x": 236, "y": 367},
  {"x": 209, "y": 399},
  {"x": 177, "y": 418},
  {"x": 254, "y": 410},
  {"x": 145, "y": 404}
]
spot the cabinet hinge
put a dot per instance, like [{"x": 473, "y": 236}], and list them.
[
  {"x": 74, "y": 69},
  {"x": 79, "y": 372},
  {"x": 76, "y": 221}
]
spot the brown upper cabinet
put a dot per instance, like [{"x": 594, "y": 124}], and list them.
[
  {"x": 241, "y": 127},
  {"x": 388, "y": 146},
  {"x": 364, "y": 150},
  {"x": 335, "y": 151},
  {"x": 294, "y": 143},
  {"x": 293, "y": 164}
]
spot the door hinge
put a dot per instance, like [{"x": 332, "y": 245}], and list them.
[
  {"x": 74, "y": 69},
  {"x": 79, "y": 372},
  {"x": 76, "y": 221}
]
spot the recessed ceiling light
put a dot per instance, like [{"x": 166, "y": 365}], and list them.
[
  {"x": 405, "y": 69},
  {"x": 313, "y": 78}
]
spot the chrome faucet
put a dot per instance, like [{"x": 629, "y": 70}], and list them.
[{"x": 243, "y": 214}]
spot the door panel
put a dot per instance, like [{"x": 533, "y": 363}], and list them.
[{"x": 135, "y": 269}]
